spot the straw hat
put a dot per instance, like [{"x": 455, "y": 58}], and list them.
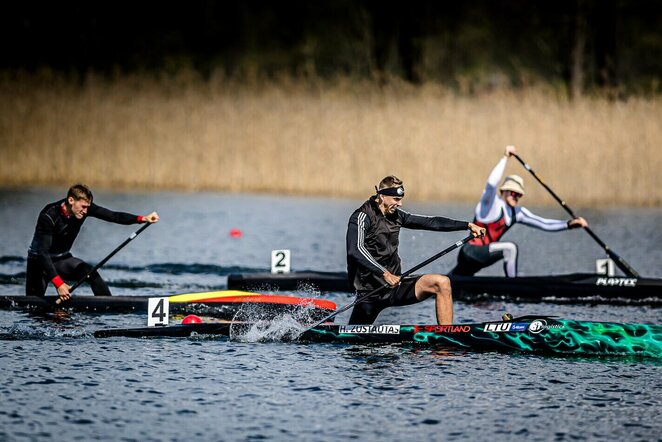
[{"x": 514, "y": 183}]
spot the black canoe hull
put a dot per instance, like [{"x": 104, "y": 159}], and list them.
[
  {"x": 570, "y": 288},
  {"x": 303, "y": 281}
]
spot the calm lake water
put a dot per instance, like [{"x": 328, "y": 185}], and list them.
[{"x": 59, "y": 383}]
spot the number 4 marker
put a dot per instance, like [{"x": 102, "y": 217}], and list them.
[{"x": 158, "y": 311}]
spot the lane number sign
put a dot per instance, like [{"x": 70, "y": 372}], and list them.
[
  {"x": 604, "y": 267},
  {"x": 280, "y": 261},
  {"x": 158, "y": 310}
]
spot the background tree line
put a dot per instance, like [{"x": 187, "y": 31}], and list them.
[{"x": 580, "y": 45}]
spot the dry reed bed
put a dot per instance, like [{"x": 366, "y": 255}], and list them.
[{"x": 324, "y": 139}]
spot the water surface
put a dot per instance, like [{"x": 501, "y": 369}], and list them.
[{"x": 58, "y": 382}]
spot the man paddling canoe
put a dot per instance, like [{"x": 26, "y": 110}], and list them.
[
  {"x": 58, "y": 225},
  {"x": 372, "y": 255},
  {"x": 498, "y": 213}
]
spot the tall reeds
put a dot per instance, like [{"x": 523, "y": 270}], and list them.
[{"x": 334, "y": 138}]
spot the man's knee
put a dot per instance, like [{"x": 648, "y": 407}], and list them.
[
  {"x": 509, "y": 250},
  {"x": 510, "y": 253},
  {"x": 82, "y": 269},
  {"x": 444, "y": 282},
  {"x": 440, "y": 284}
]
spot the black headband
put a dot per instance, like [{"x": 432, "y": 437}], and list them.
[{"x": 392, "y": 191}]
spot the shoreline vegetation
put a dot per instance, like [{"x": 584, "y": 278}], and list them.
[{"x": 323, "y": 137}]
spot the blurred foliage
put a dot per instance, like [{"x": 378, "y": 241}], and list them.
[{"x": 577, "y": 45}]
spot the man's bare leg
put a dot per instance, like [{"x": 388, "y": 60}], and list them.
[{"x": 438, "y": 286}]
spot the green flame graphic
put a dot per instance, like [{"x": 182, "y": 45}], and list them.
[
  {"x": 565, "y": 337},
  {"x": 551, "y": 336}
]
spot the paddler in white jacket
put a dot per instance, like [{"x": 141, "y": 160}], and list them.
[{"x": 498, "y": 211}]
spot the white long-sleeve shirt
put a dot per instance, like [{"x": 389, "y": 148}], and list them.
[{"x": 497, "y": 216}]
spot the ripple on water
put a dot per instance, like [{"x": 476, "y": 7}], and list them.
[{"x": 61, "y": 381}]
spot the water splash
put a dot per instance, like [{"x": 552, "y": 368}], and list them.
[
  {"x": 252, "y": 323},
  {"x": 282, "y": 328}
]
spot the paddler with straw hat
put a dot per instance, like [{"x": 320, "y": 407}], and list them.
[{"x": 498, "y": 212}]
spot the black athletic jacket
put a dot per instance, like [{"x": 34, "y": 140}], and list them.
[
  {"x": 55, "y": 232},
  {"x": 373, "y": 239}
]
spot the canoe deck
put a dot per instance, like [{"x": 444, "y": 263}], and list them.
[{"x": 530, "y": 334}]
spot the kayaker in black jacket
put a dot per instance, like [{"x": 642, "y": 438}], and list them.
[
  {"x": 372, "y": 255},
  {"x": 58, "y": 225}
]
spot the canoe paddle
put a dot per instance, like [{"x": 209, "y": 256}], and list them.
[
  {"x": 620, "y": 262},
  {"x": 404, "y": 275},
  {"x": 105, "y": 260}
]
